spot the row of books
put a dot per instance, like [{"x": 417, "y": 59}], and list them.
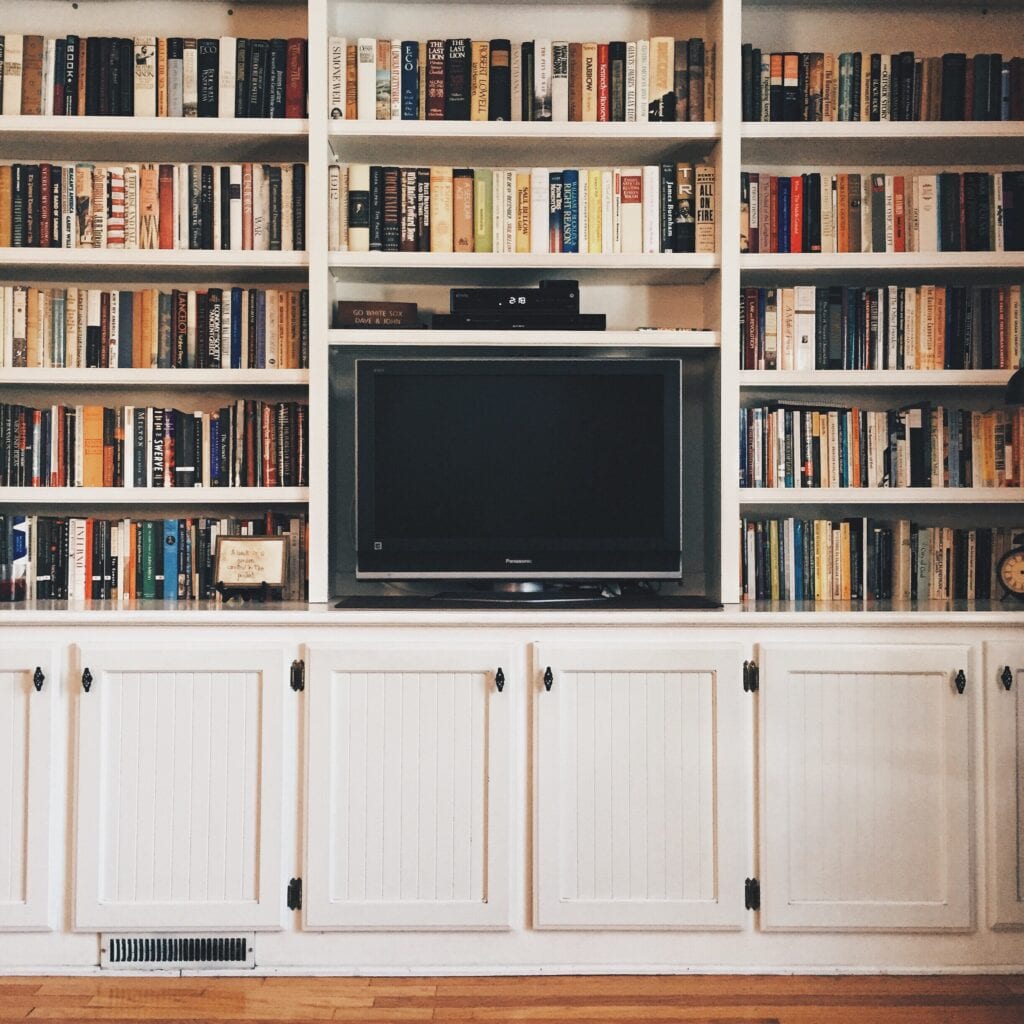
[
  {"x": 658, "y": 208},
  {"x": 856, "y": 559},
  {"x": 153, "y": 206},
  {"x": 924, "y": 445},
  {"x": 151, "y": 76},
  {"x": 659, "y": 79},
  {"x": 246, "y": 444},
  {"x": 87, "y": 559},
  {"x": 231, "y": 327},
  {"x": 858, "y": 86},
  {"x": 895, "y": 327},
  {"x": 973, "y": 211}
]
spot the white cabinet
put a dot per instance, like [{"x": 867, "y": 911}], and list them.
[
  {"x": 28, "y": 687},
  {"x": 408, "y": 782},
  {"x": 641, "y": 785},
  {"x": 1004, "y": 734},
  {"x": 865, "y": 775},
  {"x": 179, "y": 787}
]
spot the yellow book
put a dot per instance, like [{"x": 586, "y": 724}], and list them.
[
  {"x": 5, "y": 205},
  {"x": 92, "y": 445},
  {"x": 441, "y": 238},
  {"x": 522, "y": 211},
  {"x": 480, "y": 73},
  {"x": 595, "y": 222},
  {"x": 590, "y": 81},
  {"x": 32, "y": 327}
]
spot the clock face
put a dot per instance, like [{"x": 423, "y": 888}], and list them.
[{"x": 1011, "y": 572}]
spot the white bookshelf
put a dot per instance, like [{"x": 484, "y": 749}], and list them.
[
  {"x": 142, "y": 378},
  {"x": 767, "y": 380},
  {"x": 135, "y": 497},
  {"x": 554, "y": 339},
  {"x": 904, "y": 496}
]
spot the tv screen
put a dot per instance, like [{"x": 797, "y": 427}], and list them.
[{"x": 518, "y": 469}]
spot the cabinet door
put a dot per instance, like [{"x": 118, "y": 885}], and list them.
[
  {"x": 640, "y": 786},
  {"x": 26, "y": 808},
  {"x": 180, "y": 757},
  {"x": 1004, "y": 733},
  {"x": 408, "y": 782},
  {"x": 866, "y": 782}
]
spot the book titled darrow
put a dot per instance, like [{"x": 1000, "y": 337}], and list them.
[{"x": 349, "y": 314}]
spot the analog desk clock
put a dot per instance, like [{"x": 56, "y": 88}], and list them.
[{"x": 1011, "y": 569}]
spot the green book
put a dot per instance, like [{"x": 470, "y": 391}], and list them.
[
  {"x": 148, "y": 531},
  {"x": 483, "y": 206}
]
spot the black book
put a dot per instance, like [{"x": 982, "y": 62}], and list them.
[
  {"x": 70, "y": 67},
  {"x": 982, "y": 65},
  {"x": 916, "y": 92},
  {"x": 680, "y": 79},
  {"x": 206, "y": 211},
  {"x": 755, "y": 85},
  {"x": 18, "y": 205},
  {"x": 184, "y": 469},
  {"x": 278, "y": 59},
  {"x": 875, "y": 101},
  {"x": 499, "y": 82},
  {"x": 983, "y": 228},
  {"x": 92, "y": 75},
  {"x": 114, "y": 75},
  {"x": 256, "y": 77},
  {"x": 105, "y": 100},
  {"x": 274, "y": 188},
  {"x": 617, "y": 80},
  {"x": 456, "y": 80},
  {"x": 225, "y": 207},
  {"x": 906, "y": 93},
  {"x": 747, "y": 81},
  {"x": 949, "y": 212},
  {"x": 391, "y": 227},
  {"x": 954, "y": 73},
  {"x": 241, "y": 82},
  {"x": 215, "y": 331},
  {"x": 668, "y": 207},
  {"x": 812, "y": 212},
  {"x": 983, "y": 565},
  {"x": 527, "y": 80},
  {"x": 376, "y": 208},
  {"x": 179, "y": 329},
  {"x": 32, "y": 179},
  {"x": 995, "y": 87},
  {"x": 138, "y": 468},
  {"x": 855, "y": 87},
  {"x": 423, "y": 209},
  {"x": 304, "y": 328},
  {"x": 197, "y": 449},
  {"x": 1013, "y": 211},
  {"x": 298, "y": 207},
  {"x": 127, "y": 77},
  {"x": 836, "y": 301},
  {"x": 195, "y": 199},
  {"x": 208, "y": 64},
  {"x": 202, "y": 329}
]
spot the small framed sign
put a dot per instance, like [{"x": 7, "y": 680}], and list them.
[{"x": 250, "y": 564}]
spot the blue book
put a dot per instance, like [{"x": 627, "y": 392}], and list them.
[
  {"x": 410, "y": 81},
  {"x": 125, "y": 312},
  {"x": 844, "y": 450},
  {"x": 261, "y": 329},
  {"x": 570, "y": 211},
  {"x": 170, "y": 559},
  {"x": 784, "y": 184},
  {"x": 798, "y": 560},
  {"x": 743, "y": 447},
  {"x": 236, "y": 329},
  {"x": 555, "y": 211},
  {"x": 214, "y": 450}
]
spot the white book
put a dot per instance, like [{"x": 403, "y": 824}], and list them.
[
  {"x": 216, "y": 208},
  {"x": 803, "y": 329},
  {"x": 996, "y": 226},
  {"x": 607, "y": 212},
  {"x": 366, "y": 79},
  {"x": 260, "y": 208},
  {"x": 643, "y": 79},
  {"x": 631, "y": 204},
  {"x": 631, "y": 81},
  {"x": 235, "y": 205},
  {"x": 928, "y": 215},
  {"x": 516, "y": 77},
  {"x": 190, "y": 79},
  {"x": 226, "y": 76},
  {"x": 181, "y": 213},
  {"x": 13, "y": 53},
  {"x": 617, "y": 210},
  {"x": 6, "y": 335},
  {"x": 910, "y": 329},
  {"x": 498, "y": 211},
  {"x": 337, "y": 48},
  {"x": 890, "y": 216},
  {"x": 542, "y": 80},
  {"x": 49, "y": 58},
  {"x": 131, "y": 206},
  {"x": 651, "y": 208},
  {"x": 396, "y": 79},
  {"x": 76, "y": 583},
  {"x": 508, "y": 219},
  {"x": 583, "y": 211},
  {"x": 334, "y": 208},
  {"x": 343, "y": 210},
  {"x": 145, "y": 76},
  {"x": 865, "y": 213},
  {"x": 539, "y": 184},
  {"x": 559, "y": 81}
]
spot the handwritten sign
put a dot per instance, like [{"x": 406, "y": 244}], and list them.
[{"x": 251, "y": 561}]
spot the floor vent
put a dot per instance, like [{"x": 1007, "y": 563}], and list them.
[{"x": 156, "y": 952}]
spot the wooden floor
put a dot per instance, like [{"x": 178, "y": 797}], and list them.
[{"x": 610, "y": 1000}]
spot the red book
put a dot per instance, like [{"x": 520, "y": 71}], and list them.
[
  {"x": 773, "y": 212},
  {"x": 796, "y": 214},
  {"x": 45, "y": 206},
  {"x": 166, "y": 191},
  {"x": 604, "y": 102},
  {"x": 899, "y": 214},
  {"x": 295, "y": 79}
]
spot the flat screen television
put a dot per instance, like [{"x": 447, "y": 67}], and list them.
[{"x": 524, "y": 469}]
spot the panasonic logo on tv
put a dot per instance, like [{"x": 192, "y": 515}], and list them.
[{"x": 519, "y": 561}]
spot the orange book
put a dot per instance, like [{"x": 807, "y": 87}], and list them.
[
  {"x": 149, "y": 207},
  {"x": 83, "y": 74},
  {"x": 939, "y": 352},
  {"x": 92, "y": 446},
  {"x": 842, "y": 213},
  {"x": 32, "y": 75},
  {"x": 351, "y": 83},
  {"x": 899, "y": 214},
  {"x": 161, "y": 76},
  {"x": 165, "y": 188}
]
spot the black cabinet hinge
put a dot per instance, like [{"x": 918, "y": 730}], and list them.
[
  {"x": 86, "y": 680},
  {"x": 549, "y": 679},
  {"x": 295, "y": 894},
  {"x": 298, "y": 678},
  {"x": 499, "y": 679},
  {"x": 1006, "y": 678},
  {"x": 38, "y": 678},
  {"x": 752, "y": 894},
  {"x": 960, "y": 680},
  {"x": 751, "y": 679}
]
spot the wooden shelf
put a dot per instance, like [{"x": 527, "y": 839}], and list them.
[
  {"x": 520, "y": 339},
  {"x": 761, "y": 380},
  {"x": 152, "y": 378},
  {"x": 911, "y": 496},
  {"x": 205, "y": 496}
]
